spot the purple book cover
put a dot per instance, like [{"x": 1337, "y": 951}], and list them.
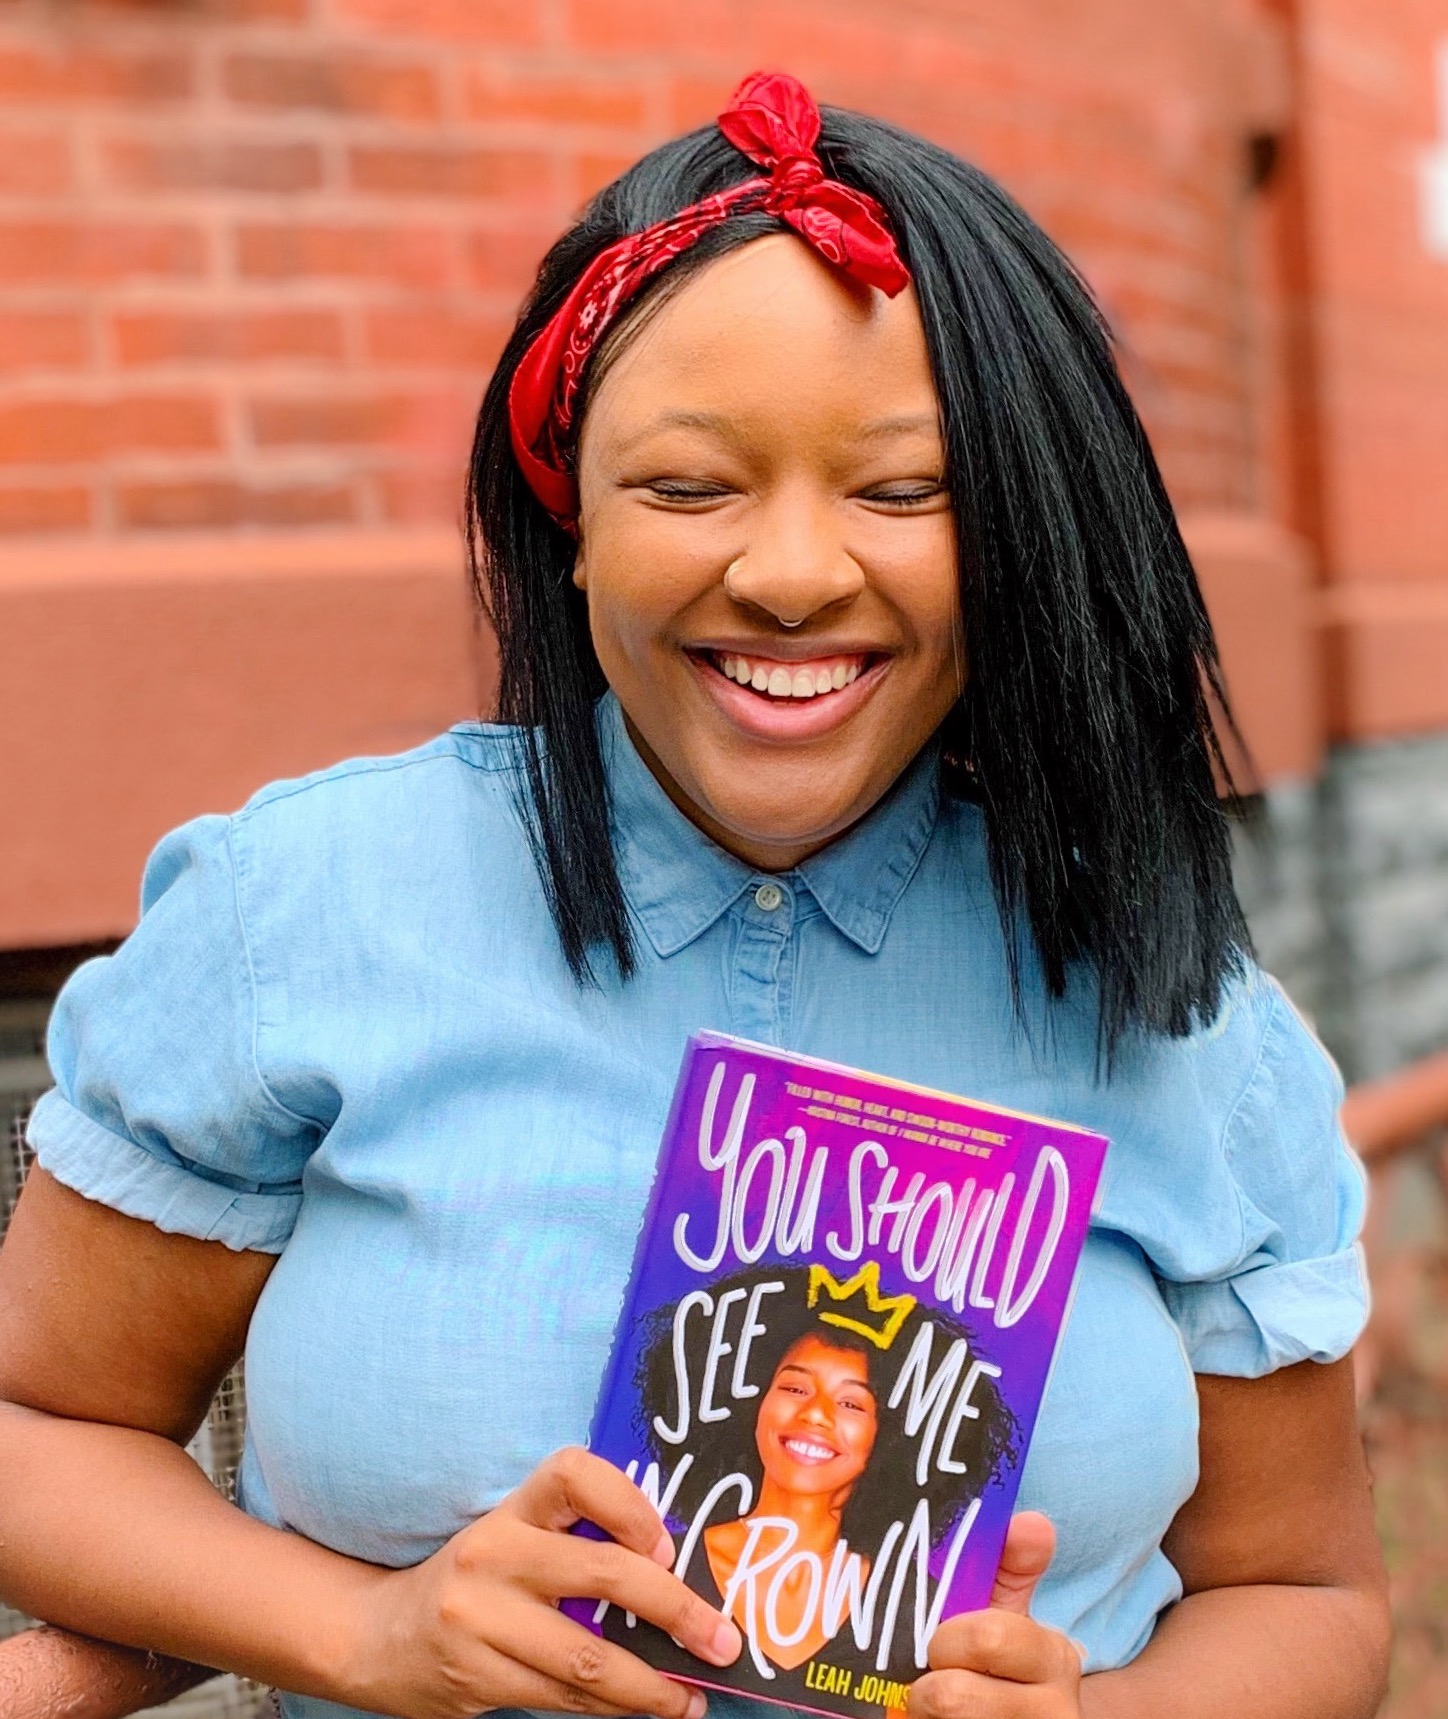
[{"x": 843, "y": 1309}]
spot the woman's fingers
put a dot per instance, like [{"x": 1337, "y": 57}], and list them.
[
  {"x": 1030, "y": 1546},
  {"x": 593, "y": 1675},
  {"x": 575, "y": 1486},
  {"x": 563, "y": 1567},
  {"x": 1004, "y": 1645},
  {"x": 962, "y": 1695}
]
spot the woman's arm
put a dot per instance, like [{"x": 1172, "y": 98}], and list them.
[
  {"x": 1285, "y": 1611},
  {"x": 51, "y": 1674},
  {"x": 113, "y": 1337}
]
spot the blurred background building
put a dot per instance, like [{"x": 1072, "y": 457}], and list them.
[{"x": 257, "y": 256}]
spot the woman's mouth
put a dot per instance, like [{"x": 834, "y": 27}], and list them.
[
  {"x": 815, "y": 678},
  {"x": 785, "y": 703},
  {"x": 806, "y": 1450}
]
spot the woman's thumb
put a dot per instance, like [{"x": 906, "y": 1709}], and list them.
[{"x": 1029, "y": 1548}]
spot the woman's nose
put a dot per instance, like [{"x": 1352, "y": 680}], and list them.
[
  {"x": 794, "y": 567},
  {"x": 818, "y": 1411}
]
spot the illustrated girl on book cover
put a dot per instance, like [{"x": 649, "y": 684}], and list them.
[{"x": 813, "y": 1472}]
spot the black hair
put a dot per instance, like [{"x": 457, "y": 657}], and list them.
[
  {"x": 1085, "y": 729},
  {"x": 886, "y": 1492}
]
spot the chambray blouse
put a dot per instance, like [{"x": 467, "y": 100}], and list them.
[{"x": 343, "y": 1032}]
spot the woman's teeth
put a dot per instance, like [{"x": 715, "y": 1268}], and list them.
[
  {"x": 794, "y": 680},
  {"x": 804, "y": 1451}
]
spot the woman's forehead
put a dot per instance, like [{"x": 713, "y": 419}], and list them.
[
  {"x": 769, "y": 331},
  {"x": 815, "y": 1353}
]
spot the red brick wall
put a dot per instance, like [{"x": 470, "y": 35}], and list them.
[
  {"x": 1371, "y": 110},
  {"x": 257, "y": 255}
]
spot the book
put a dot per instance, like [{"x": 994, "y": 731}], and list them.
[{"x": 843, "y": 1309}]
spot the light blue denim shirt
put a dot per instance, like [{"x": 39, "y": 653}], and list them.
[{"x": 344, "y": 1032}]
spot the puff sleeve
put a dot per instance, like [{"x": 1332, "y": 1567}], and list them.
[
  {"x": 159, "y": 1108},
  {"x": 1293, "y": 1287}
]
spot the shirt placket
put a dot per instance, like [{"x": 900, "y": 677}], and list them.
[{"x": 759, "y": 978}]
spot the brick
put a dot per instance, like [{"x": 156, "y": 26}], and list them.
[
  {"x": 490, "y": 93},
  {"x": 204, "y": 163},
  {"x": 593, "y": 169},
  {"x": 69, "y": 431},
  {"x": 198, "y": 503},
  {"x": 34, "y": 163},
  {"x": 43, "y": 340},
  {"x": 408, "y": 256},
  {"x": 189, "y": 336},
  {"x": 260, "y": 11},
  {"x": 81, "y": 75},
  {"x": 325, "y": 420},
  {"x": 515, "y": 23},
  {"x": 442, "y": 170},
  {"x": 505, "y": 260},
  {"x": 439, "y": 336},
  {"x": 440, "y": 421},
  {"x": 696, "y": 101},
  {"x": 700, "y": 29},
  {"x": 37, "y": 507},
  {"x": 93, "y": 253},
  {"x": 334, "y": 84},
  {"x": 412, "y": 495}
]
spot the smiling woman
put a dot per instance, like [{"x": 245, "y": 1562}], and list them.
[{"x": 855, "y": 698}]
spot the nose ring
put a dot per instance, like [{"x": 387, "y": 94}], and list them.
[{"x": 789, "y": 626}]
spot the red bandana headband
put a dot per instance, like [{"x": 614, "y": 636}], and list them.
[{"x": 772, "y": 118}]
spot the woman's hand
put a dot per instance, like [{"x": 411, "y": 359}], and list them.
[
  {"x": 1000, "y": 1663},
  {"x": 476, "y": 1626}
]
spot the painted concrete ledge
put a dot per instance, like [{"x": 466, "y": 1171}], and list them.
[
  {"x": 145, "y": 682},
  {"x": 1386, "y": 645},
  {"x": 1257, "y": 580}
]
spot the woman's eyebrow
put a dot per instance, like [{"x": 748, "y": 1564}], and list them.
[
  {"x": 680, "y": 418},
  {"x": 909, "y": 424},
  {"x": 799, "y": 1367}
]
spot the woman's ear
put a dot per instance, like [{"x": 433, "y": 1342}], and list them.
[{"x": 580, "y": 569}]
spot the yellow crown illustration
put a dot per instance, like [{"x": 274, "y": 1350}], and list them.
[{"x": 878, "y": 1317}]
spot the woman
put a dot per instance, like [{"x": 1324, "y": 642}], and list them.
[
  {"x": 827, "y": 1451},
  {"x": 374, "y": 1087}
]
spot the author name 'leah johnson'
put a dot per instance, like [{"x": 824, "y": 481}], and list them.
[{"x": 840, "y": 1680}]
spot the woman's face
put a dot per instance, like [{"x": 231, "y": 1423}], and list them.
[
  {"x": 777, "y": 423},
  {"x": 816, "y": 1424}
]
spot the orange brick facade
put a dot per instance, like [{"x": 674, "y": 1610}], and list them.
[{"x": 257, "y": 256}]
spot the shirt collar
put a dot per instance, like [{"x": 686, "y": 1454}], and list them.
[{"x": 678, "y": 882}]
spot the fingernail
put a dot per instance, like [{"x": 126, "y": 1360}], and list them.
[
  {"x": 663, "y": 1552},
  {"x": 725, "y": 1643},
  {"x": 697, "y": 1707}
]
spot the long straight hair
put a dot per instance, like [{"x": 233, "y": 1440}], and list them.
[{"x": 1085, "y": 727}]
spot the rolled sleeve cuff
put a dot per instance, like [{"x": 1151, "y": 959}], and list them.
[
  {"x": 115, "y": 1172},
  {"x": 1273, "y": 1315}
]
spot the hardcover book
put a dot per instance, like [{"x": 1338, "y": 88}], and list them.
[{"x": 842, "y": 1313}]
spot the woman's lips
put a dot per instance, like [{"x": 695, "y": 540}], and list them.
[
  {"x": 783, "y": 716},
  {"x": 809, "y": 1450}
]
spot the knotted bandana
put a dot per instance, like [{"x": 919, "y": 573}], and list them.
[{"x": 772, "y": 118}]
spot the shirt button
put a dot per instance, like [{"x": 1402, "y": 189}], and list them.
[{"x": 768, "y": 897}]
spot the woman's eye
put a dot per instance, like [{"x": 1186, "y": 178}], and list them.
[
  {"x": 685, "y": 490},
  {"x": 903, "y": 495}
]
